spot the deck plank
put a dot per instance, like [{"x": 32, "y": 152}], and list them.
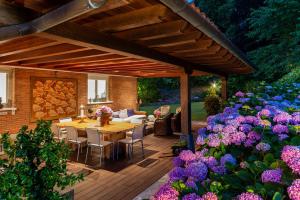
[{"x": 134, "y": 178}]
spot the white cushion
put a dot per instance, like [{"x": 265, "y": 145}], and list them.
[
  {"x": 116, "y": 114},
  {"x": 123, "y": 114},
  {"x": 117, "y": 119},
  {"x": 128, "y": 119}
]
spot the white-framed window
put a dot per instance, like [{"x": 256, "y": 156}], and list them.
[
  {"x": 97, "y": 88},
  {"x": 6, "y": 86}
]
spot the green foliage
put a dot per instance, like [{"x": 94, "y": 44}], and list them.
[
  {"x": 292, "y": 77},
  {"x": 219, "y": 11},
  {"x": 212, "y": 104},
  {"x": 276, "y": 25},
  {"x": 37, "y": 165},
  {"x": 148, "y": 90}
]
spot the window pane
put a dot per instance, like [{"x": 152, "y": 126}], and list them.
[
  {"x": 3, "y": 87},
  {"x": 101, "y": 89},
  {"x": 91, "y": 89}
]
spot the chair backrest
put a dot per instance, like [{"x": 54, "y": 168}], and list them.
[
  {"x": 137, "y": 121},
  {"x": 72, "y": 133},
  {"x": 55, "y": 130},
  {"x": 165, "y": 109},
  {"x": 93, "y": 136},
  {"x": 138, "y": 132},
  {"x": 67, "y": 119}
]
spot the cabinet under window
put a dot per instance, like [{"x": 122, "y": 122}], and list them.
[{"x": 97, "y": 89}]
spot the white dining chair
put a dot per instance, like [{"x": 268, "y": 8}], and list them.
[
  {"x": 137, "y": 136},
  {"x": 58, "y": 133},
  {"x": 72, "y": 137},
  {"x": 94, "y": 140}
]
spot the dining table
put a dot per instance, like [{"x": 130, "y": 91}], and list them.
[{"x": 113, "y": 131}]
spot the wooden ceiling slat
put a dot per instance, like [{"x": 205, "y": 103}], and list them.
[
  {"x": 109, "y": 63},
  {"x": 134, "y": 19},
  {"x": 91, "y": 60},
  {"x": 111, "y": 4},
  {"x": 203, "y": 44},
  {"x": 127, "y": 65},
  {"x": 67, "y": 56},
  {"x": 154, "y": 31},
  {"x": 43, "y": 52},
  {"x": 83, "y": 36},
  {"x": 212, "y": 49},
  {"x": 24, "y": 44},
  {"x": 172, "y": 40}
]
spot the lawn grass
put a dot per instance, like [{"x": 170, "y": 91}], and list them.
[{"x": 198, "y": 112}]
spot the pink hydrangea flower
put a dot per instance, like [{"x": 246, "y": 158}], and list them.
[
  {"x": 239, "y": 94},
  {"x": 294, "y": 190},
  {"x": 249, "y": 196},
  {"x": 209, "y": 196}
]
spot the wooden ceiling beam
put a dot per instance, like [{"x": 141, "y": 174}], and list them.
[
  {"x": 11, "y": 14},
  {"x": 110, "y": 66},
  {"x": 82, "y": 36},
  {"x": 211, "y": 51},
  {"x": 88, "y": 53},
  {"x": 201, "y": 45},
  {"x": 103, "y": 65},
  {"x": 172, "y": 40},
  {"x": 111, "y": 4},
  {"x": 25, "y": 44},
  {"x": 133, "y": 19},
  {"x": 100, "y": 60},
  {"x": 155, "y": 31},
  {"x": 132, "y": 70},
  {"x": 42, "y": 52}
]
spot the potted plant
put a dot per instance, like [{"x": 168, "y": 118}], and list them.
[
  {"x": 104, "y": 112},
  {"x": 36, "y": 165}
]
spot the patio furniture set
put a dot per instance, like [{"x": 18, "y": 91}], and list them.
[{"x": 120, "y": 135}]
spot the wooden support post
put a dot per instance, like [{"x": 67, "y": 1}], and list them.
[
  {"x": 186, "y": 110},
  {"x": 224, "y": 94}
]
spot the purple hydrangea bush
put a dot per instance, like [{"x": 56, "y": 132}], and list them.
[{"x": 250, "y": 151}]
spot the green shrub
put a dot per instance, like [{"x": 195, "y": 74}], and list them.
[
  {"x": 212, "y": 104},
  {"x": 36, "y": 166},
  {"x": 292, "y": 77}
]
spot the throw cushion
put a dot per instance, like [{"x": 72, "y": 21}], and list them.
[
  {"x": 116, "y": 114},
  {"x": 123, "y": 113},
  {"x": 130, "y": 112}
]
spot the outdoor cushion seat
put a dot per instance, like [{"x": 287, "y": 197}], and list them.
[{"x": 128, "y": 119}]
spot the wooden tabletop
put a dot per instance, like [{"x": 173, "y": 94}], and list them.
[{"x": 113, "y": 127}]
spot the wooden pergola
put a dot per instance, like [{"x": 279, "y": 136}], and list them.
[{"x": 139, "y": 38}]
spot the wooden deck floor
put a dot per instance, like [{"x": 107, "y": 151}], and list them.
[{"x": 124, "y": 179}]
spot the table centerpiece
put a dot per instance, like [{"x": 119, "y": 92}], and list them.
[{"x": 104, "y": 113}]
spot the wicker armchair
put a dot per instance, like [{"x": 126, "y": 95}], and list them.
[
  {"x": 176, "y": 122},
  {"x": 162, "y": 126}
]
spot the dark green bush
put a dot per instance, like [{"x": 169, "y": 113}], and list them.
[
  {"x": 36, "y": 166},
  {"x": 212, "y": 104}
]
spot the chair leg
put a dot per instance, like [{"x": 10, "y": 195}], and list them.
[
  {"x": 118, "y": 151},
  {"x": 101, "y": 156},
  {"x": 78, "y": 148},
  {"x": 113, "y": 151},
  {"x": 143, "y": 148},
  {"x": 131, "y": 151},
  {"x": 87, "y": 152}
]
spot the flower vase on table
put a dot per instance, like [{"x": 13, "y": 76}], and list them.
[
  {"x": 104, "y": 119},
  {"x": 104, "y": 113}
]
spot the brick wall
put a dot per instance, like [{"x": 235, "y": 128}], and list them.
[{"x": 122, "y": 91}]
